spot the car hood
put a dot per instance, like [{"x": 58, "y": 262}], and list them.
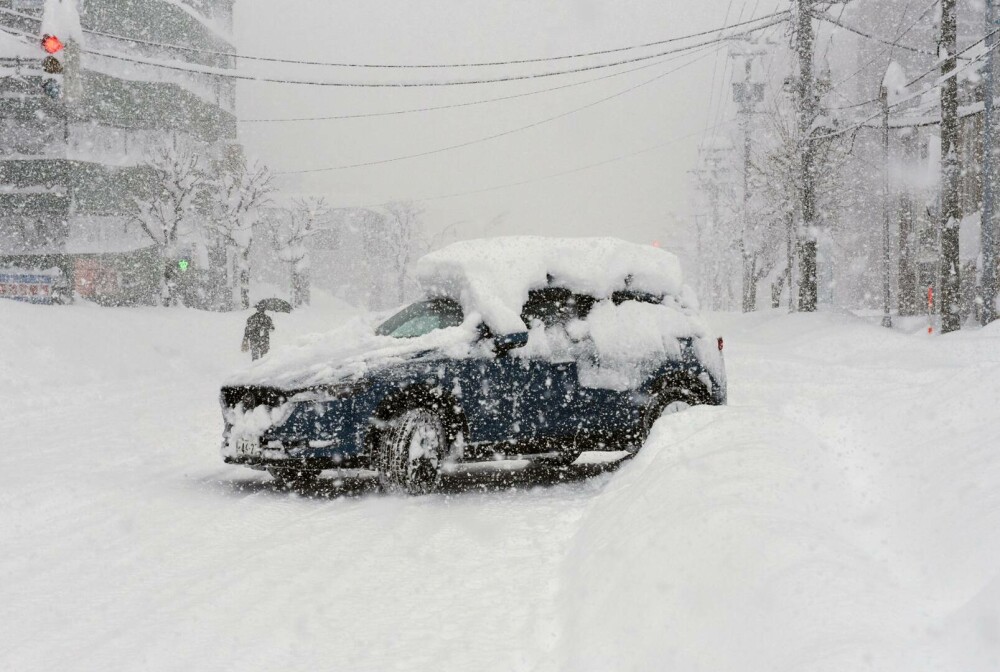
[{"x": 350, "y": 353}]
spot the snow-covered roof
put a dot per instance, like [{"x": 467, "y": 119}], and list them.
[{"x": 493, "y": 276}]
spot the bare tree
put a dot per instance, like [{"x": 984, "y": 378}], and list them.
[
  {"x": 290, "y": 230},
  {"x": 401, "y": 237},
  {"x": 244, "y": 189},
  {"x": 179, "y": 180}
]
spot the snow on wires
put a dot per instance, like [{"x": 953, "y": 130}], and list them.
[
  {"x": 230, "y": 74},
  {"x": 519, "y": 61}
]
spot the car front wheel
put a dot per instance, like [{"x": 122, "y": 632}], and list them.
[{"x": 410, "y": 452}]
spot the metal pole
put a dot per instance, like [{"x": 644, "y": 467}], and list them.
[
  {"x": 989, "y": 274},
  {"x": 886, "y": 256}
]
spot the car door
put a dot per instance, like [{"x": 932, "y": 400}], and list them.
[
  {"x": 547, "y": 404},
  {"x": 488, "y": 392}
]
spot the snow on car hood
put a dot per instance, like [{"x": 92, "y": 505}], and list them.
[
  {"x": 493, "y": 276},
  {"x": 350, "y": 352}
]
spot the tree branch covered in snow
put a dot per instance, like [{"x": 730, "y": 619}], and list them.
[
  {"x": 244, "y": 189},
  {"x": 171, "y": 208}
]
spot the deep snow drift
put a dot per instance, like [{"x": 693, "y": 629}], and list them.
[{"x": 843, "y": 513}]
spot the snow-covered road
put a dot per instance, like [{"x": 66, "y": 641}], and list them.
[{"x": 842, "y": 510}]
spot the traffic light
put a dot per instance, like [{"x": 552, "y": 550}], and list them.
[
  {"x": 52, "y": 44},
  {"x": 52, "y": 65},
  {"x": 183, "y": 264}
]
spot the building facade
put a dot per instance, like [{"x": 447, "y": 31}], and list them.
[{"x": 74, "y": 142}]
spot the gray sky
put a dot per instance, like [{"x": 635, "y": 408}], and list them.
[{"x": 634, "y": 198}]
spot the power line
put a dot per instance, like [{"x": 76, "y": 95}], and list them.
[
  {"x": 512, "y": 131},
  {"x": 483, "y": 101},
  {"x": 902, "y": 18},
  {"x": 954, "y": 73},
  {"x": 887, "y": 50},
  {"x": 19, "y": 15},
  {"x": 715, "y": 68},
  {"x": 837, "y": 22},
  {"x": 225, "y": 73},
  {"x": 268, "y": 59},
  {"x": 551, "y": 176},
  {"x": 521, "y": 61}
]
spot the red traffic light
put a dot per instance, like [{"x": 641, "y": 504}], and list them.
[{"x": 52, "y": 44}]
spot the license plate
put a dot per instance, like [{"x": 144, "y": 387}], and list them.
[{"x": 248, "y": 447}]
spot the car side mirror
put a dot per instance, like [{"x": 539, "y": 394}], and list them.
[
  {"x": 485, "y": 332},
  {"x": 504, "y": 344}
]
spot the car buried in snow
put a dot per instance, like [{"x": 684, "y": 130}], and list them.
[{"x": 526, "y": 347}]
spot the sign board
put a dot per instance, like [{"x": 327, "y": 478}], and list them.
[{"x": 32, "y": 287}]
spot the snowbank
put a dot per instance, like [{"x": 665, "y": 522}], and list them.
[
  {"x": 493, "y": 276},
  {"x": 724, "y": 554},
  {"x": 841, "y": 514}
]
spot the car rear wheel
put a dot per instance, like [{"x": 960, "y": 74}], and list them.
[
  {"x": 410, "y": 452},
  {"x": 668, "y": 400}
]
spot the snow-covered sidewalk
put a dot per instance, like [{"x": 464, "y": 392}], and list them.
[{"x": 842, "y": 513}]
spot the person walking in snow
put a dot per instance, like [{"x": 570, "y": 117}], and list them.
[{"x": 257, "y": 335}]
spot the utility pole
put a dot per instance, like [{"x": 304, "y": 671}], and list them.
[
  {"x": 907, "y": 294},
  {"x": 747, "y": 94},
  {"x": 886, "y": 255},
  {"x": 951, "y": 213},
  {"x": 804, "y": 45},
  {"x": 989, "y": 289}
]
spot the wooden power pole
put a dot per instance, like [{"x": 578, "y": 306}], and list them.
[
  {"x": 804, "y": 45},
  {"x": 951, "y": 212}
]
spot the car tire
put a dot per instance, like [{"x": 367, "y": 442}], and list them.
[
  {"x": 410, "y": 452},
  {"x": 668, "y": 400},
  {"x": 293, "y": 477}
]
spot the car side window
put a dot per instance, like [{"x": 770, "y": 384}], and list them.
[
  {"x": 422, "y": 318},
  {"x": 554, "y": 305}
]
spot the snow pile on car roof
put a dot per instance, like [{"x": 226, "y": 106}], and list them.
[{"x": 493, "y": 276}]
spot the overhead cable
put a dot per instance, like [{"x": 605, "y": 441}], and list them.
[
  {"x": 563, "y": 173},
  {"x": 229, "y": 74},
  {"x": 495, "y": 136},
  {"x": 520, "y": 61},
  {"x": 450, "y": 106},
  {"x": 829, "y": 19},
  {"x": 938, "y": 82}
]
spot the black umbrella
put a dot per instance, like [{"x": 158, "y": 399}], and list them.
[{"x": 275, "y": 305}]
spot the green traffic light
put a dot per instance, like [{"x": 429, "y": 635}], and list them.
[{"x": 183, "y": 265}]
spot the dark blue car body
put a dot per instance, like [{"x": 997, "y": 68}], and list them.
[{"x": 501, "y": 404}]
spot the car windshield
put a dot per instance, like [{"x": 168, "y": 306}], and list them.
[{"x": 422, "y": 318}]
